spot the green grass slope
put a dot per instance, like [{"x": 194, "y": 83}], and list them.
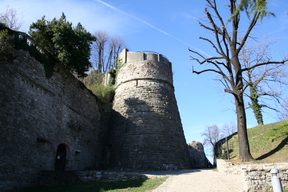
[{"x": 268, "y": 143}]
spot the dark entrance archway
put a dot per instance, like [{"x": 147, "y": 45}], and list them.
[{"x": 60, "y": 157}]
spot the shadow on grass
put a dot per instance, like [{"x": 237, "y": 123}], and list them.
[
  {"x": 89, "y": 187},
  {"x": 280, "y": 146}
]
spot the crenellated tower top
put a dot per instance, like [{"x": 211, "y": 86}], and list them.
[{"x": 144, "y": 65}]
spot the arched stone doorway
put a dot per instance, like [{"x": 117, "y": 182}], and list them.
[{"x": 61, "y": 157}]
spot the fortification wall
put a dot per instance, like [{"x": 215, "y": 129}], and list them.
[
  {"x": 146, "y": 131},
  {"x": 140, "y": 65},
  {"x": 197, "y": 155},
  {"x": 38, "y": 114}
]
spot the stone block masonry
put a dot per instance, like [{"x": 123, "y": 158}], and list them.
[
  {"x": 146, "y": 131},
  {"x": 54, "y": 123},
  {"x": 256, "y": 177},
  {"x": 197, "y": 155},
  {"x": 45, "y": 123}
]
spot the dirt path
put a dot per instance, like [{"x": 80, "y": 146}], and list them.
[{"x": 201, "y": 180}]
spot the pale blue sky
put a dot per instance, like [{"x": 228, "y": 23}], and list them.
[{"x": 168, "y": 27}]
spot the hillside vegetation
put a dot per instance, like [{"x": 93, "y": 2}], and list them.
[{"x": 268, "y": 143}]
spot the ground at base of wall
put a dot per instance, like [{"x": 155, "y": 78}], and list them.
[{"x": 100, "y": 180}]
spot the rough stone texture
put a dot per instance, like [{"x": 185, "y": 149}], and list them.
[
  {"x": 146, "y": 131},
  {"x": 197, "y": 155},
  {"x": 228, "y": 168},
  {"x": 257, "y": 177},
  {"x": 37, "y": 114}
]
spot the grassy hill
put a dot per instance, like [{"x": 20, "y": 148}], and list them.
[{"x": 268, "y": 143}]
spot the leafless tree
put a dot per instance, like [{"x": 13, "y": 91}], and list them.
[
  {"x": 226, "y": 64},
  {"x": 211, "y": 137},
  {"x": 283, "y": 115},
  {"x": 10, "y": 19},
  {"x": 266, "y": 82},
  {"x": 228, "y": 129},
  {"x": 106, "y": 50},
  {"x": 99, "y": 47}
]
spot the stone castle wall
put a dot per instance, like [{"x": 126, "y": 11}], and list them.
[
  {"x": 197, "y": 155},
  {"x": 45, "y": 119},
  {"x": 155, "y": 67},
  {"x": 146, "y": 131},
  {"x": 38, "y": 114}
]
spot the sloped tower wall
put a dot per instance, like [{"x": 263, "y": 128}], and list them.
[{"x": 146, "y": 131}]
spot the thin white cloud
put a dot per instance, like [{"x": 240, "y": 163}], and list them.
[
  {"x": 93, "y": 16},
  {"x": 90, "y": 16},
  {"x": 282, "y": 22},
  {"x": 150, "y": 25}
]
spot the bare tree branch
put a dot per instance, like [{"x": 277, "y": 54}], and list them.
[
  {"x": 206, "y": 70},
  {"x": 10, "y": 19},
  {"x": 228, "y": 129},
  {"x": 228, "y": 48},
  {"x": 262, "y": 79},
  {"x": 265, "y": 63},
  {"x": 251, "y": 26},
  {"x": 106, "y": 50},
  {"x": 205, "y": 39},
  {"x": 206, "y": 27},
  {"x": 211, "y": 137},
  {"x": 217, "y": 31}
]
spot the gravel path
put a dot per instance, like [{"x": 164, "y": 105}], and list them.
[{"x": 200, "y": 180}]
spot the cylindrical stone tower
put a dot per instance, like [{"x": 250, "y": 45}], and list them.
[{"x": 146, "y": 131}]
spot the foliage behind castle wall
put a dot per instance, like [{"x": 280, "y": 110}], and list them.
[{"x": 38, "y": 114}]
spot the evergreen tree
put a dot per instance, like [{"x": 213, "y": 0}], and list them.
[{"x": 70, "y": 46}]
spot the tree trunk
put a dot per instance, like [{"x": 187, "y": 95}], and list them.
[
  {"x": 214, "y": 156},
  {"x": 100, "y": 58},
  {"x": 244, "y": 150}
]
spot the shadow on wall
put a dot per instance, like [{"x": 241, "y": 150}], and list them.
[
  {"x": 127, "y": 143},
  {"x": 145, "y": 139}
]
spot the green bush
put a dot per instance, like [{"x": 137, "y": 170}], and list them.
[
  {"x": 10, "y": 39},
  {"x": 114, "y": 72},
  {"x": 104, "y": 93},
  {"x": 94, "y": 77},
  {"x": 112, "y": 80},
  {"x": 6, "y": 43}
]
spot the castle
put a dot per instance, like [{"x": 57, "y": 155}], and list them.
[
  {"x": 55, "y": 124},
  {"x": 146, "y": 130}
]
